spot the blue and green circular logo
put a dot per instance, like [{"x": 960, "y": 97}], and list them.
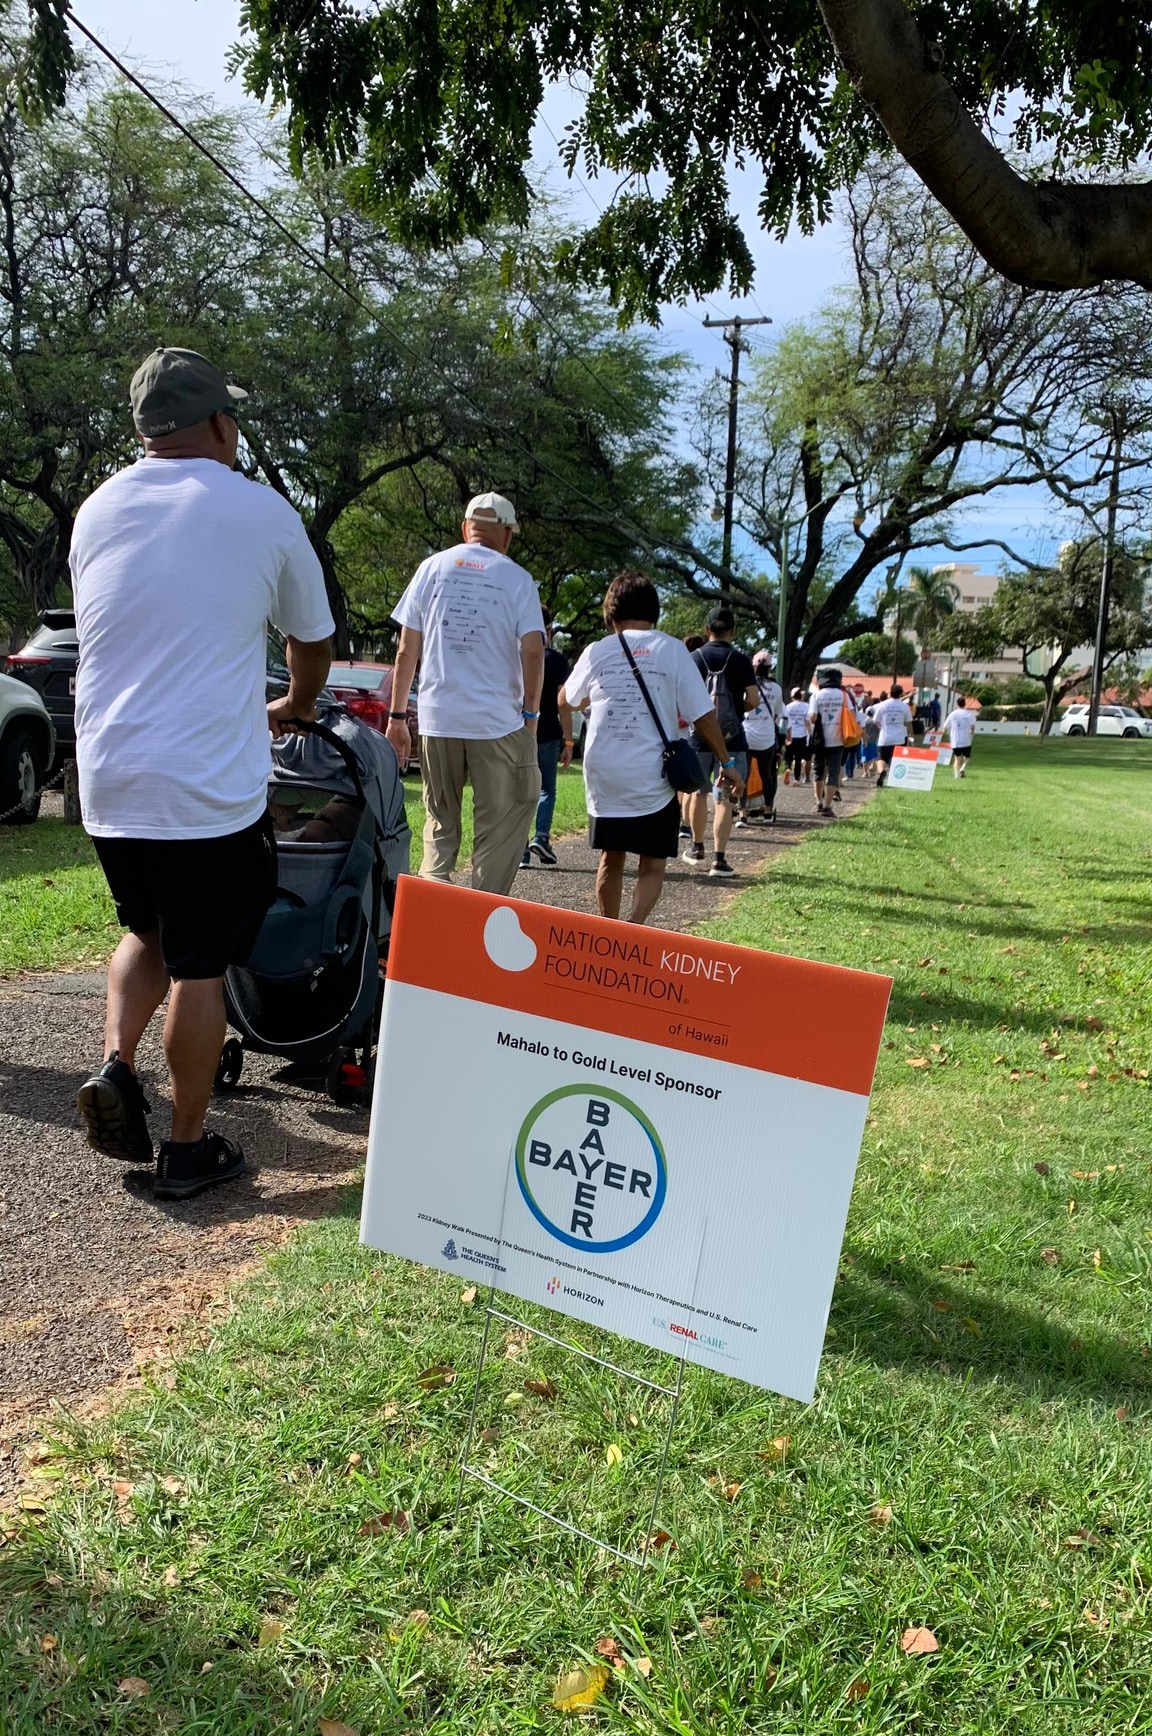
[{"x": 591, "y": 1168}]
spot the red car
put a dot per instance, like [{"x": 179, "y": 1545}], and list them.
[{"x": 366, "y": 690}]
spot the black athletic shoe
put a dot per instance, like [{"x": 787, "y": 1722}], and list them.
[
  {"x": 693, "y": 854},
  {"x": 526, "y": 860},
  {"x": 721, "y": 868},
  {"x": 685, "y": 831},
  {"x": 543, "y": 852},
  {"x": 184, "y": 1170},
  {"x": 112, "y": 1106}
]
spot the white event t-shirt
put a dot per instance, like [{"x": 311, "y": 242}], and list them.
[
  {"x": 827, "y": 703},
  {"x": 178, "y": 564},
  {"x": 961, "y": 726},
  {"x": 893, "y": 718},
  {"x": 623, "y": 773},
  {"x": 760, "y": 723},
  {"x": 473, "y": 606},
  {"x": 797, "y": 715}
]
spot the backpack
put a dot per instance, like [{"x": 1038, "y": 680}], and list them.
[
  {"x": 850, "y": 732},
  {"x": 724, "y": 705}
]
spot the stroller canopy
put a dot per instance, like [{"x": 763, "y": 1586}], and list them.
[{"x": 307, "y": 762}]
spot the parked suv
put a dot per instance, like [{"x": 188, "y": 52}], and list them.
[
  {"x": 48, "y": 663},
  {"x": 27, "y": 750},
  {"x": 1110, "y": 720}
]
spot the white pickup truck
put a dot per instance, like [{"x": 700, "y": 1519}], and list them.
[{"x": 27, "y": 749}]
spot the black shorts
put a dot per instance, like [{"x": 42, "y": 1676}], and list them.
[
  {"x": 655, "y": 834},
  {"x": 887, "y": 751},
  {"x": 962, "y": 752},
  {"x": 796, "y": 753},
  {"x": 829, "y": 761},
  {"x": 206, "y": 897}
]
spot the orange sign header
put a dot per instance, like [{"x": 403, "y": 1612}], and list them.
[{"x": 781, "y": 1015}]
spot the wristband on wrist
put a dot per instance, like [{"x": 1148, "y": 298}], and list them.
[
  {"x": 527, "y": 715},
  {"x": 568, "y": 742},
  {"x": 728, "y": 764},
  {"x": 398, "y": 716}
]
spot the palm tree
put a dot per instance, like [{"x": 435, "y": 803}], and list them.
[{"x": 931, "y": 599}]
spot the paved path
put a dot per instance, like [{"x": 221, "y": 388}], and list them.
[{"x": 97, "y": 1279}]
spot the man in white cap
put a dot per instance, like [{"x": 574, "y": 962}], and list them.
[{"x": 471, "y": 618}]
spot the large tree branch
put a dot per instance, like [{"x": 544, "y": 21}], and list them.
[{"x": 1044, "y": 235}]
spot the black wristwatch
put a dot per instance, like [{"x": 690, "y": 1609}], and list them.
[{"x": 398, "y": 717}]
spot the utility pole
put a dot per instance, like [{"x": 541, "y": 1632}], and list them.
[
  {"x": 731, "y": 329},
  {"x": 1106, "y": 568}
]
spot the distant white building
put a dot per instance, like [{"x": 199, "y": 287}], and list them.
[{"x": 974, "y": 590}]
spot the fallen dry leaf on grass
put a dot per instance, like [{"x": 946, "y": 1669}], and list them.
[
  {"x": 418, "y": 1618},
  {"x": 516, "y": 1342},
  {"x": 1092, "y": 1023},
  {"x": 355, "y": 1460},
  {"x": 881, "y": 1514},
  {"x": 468, "y": 1296},
  {"x": 123, "y": 1489},
  {"x": 916, "y": 1642},
  {"x": 578, "y": 1690},
  {"x": 134, "y": 1687},
  {"x": 440, "y": 1374},
  {"x": 751, "y": 1580},
  {"x": 776, "y": 1451},
  {"x": 171, "y": 1576},
  {"x": 643, "y": 1666},
  {"x": 613, "y": 1455},
  {"x": 1121, "y": 1413},
  {"x": 662, "y": 1540},
  {"x": 858, "y": 1690},
  {"x": 1083, "y": 1539},
  {"x": 334, "y": 1727},
  {"x": 1041, "y": 1168},
  {"x": 915, "y": 1060},
  {"x": 730, "y": 1490},
  {"x": 397, "y": 1520},
  {"x": 546, "y": 1389},
  {"x": 1050, "y": 1256},
  {"x": 271, "y": 1630},
  {"x": 48, "y": 1642},
  {"x": 606, "y": 1647}
]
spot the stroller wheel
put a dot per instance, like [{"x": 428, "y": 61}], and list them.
[
  {"x": 231, "y": 1065},
  {"x": 346, "y": 1081}
]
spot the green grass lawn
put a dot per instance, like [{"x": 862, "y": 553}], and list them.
[
  {"x": 976, "y": 1460},
  {"x": 54, "y": 906}
]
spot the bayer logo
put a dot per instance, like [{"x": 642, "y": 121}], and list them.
[{"x": 591, "y": 1168}]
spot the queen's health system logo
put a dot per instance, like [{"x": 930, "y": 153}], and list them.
[{"x": 591, "y": 1168}]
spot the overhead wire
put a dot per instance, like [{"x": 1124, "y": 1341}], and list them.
[{"x": 322, "y": 266}]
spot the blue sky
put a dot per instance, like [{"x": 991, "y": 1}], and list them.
[{"x": 188, "y": 41}]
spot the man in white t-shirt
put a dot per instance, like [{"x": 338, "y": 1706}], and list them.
[
  {"x": 960, "y": 727},
  {"x": 178, "y": 563},
  {"x": 797, "y": 752},
  {"x": 472, "y": 620},
  {"x": 893, "y": 718},
  {"x": 825, "y": 709}
]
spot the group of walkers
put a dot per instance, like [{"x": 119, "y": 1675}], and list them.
[
  {"x": 672, "y": 725},
  {"x": 179, "y": 561}
]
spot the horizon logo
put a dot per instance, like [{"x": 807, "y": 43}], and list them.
[{"x": 553, "y": 1285}]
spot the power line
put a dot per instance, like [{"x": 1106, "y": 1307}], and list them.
[{"x": 321, "y": 265}]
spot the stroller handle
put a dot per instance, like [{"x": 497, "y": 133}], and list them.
[{"x": 333, "y": 741}]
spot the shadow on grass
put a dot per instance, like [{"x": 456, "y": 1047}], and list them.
[
  {"x": 900, "y": 1315},
  {"x": 198, "y": 1676}
]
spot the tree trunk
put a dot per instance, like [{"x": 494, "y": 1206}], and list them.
[
  {"x": 1045, "y": 235},
  {"x": 337, "y": 602},
  {"x": 1050, "y": 684}
]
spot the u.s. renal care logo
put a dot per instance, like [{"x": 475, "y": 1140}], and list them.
[{"x": 591, "y": 1168}]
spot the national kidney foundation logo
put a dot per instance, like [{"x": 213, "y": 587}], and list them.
[{"x": 591, "y": 1168}]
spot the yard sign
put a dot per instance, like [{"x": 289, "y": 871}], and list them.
[
  {"x": 648, "y": 1131},
  {"x": 912, "y": 768}
]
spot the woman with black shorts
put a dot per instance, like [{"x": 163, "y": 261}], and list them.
[{"x": 632, "y": 808}]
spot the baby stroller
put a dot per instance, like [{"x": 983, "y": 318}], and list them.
[{"x": 311, "y": 987}]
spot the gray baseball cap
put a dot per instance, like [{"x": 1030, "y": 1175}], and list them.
[{"x": 174, "y": 389}]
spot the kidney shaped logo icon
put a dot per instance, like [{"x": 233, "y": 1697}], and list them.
[{"x": 591, "y": 1168}]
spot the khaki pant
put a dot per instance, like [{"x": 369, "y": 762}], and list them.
[{"x": 505, "y": 781}]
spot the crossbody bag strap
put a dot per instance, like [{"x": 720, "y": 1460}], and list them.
[{"x": 643, "y": 688}]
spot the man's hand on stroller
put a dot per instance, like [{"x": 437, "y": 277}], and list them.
[{"x": 282, "y": 713}]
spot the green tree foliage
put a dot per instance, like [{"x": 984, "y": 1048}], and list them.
[
  {"x": 1050, "y": 614},
  {"x": 874, "y": 653},
  {"x": 926, "y": 385},
  {"x": 377, "y": 408}
]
